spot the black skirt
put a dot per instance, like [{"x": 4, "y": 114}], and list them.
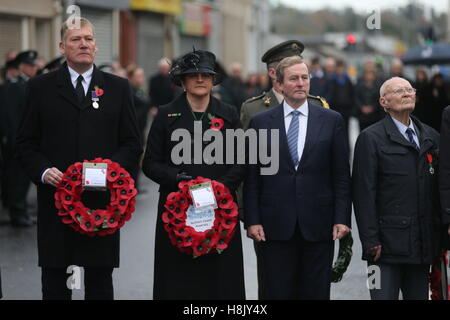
[{"x": 178, "y": 276}]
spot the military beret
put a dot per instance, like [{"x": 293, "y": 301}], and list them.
[
  {"x": 285, "y": 49},
  {"x": 28, "y": 57}
]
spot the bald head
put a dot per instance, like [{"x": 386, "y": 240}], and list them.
[
  {"x": 397, "y": 96},
  {"x": 389, "y": 83}
]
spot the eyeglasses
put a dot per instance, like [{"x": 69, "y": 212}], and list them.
[{"x": 401, "y": 91}]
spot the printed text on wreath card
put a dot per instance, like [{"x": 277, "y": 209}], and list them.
[{"x": 200, "y": 219}]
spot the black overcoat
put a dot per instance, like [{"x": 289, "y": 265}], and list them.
[
  {"x": 395, "y": 195},
  {"x": 57, "y": 131},
  {"x": 177, "y": 275},
  {"x": 444, "y": 172}
]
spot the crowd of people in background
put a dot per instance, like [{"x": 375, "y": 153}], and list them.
[{"x": 352, "y": 96}]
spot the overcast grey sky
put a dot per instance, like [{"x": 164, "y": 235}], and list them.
[{"x": 361, "y": 5}]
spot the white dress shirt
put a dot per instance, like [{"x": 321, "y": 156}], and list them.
[
  {"x": 402, "y": 128},
  {"x": 302, "y": 124},
  {"x": 87, "y": 77}
]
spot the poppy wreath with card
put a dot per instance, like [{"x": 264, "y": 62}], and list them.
[
  {"x": 100, "y": 222},
  {"x": 187, "y": 239}
]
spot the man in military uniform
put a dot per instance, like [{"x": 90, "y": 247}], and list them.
[
  {"x": 274, "y": 97},
  {"x": 15, "y": 181},
  {"x": 266, "y": 101}
]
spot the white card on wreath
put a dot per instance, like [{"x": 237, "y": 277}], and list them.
[
  {"x": 200, "y": 219},
  {"x": 94, "y": 175},
  {"x": 203, "y": 195}
]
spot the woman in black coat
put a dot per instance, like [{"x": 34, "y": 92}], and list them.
[{"x": 176, "y": 274}]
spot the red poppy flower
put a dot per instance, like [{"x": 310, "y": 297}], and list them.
[
  {"x": 121, "y": 183},
  {"x": 112, "y": 222},
  {"x": 230, "y": 213},
  {"x": 225, "y": 202},
  {"x": 99, "y": 92},
  {"x": 219, "y": 189},
  {"x": 122, "y": 205},
  {"x": 122, "y": 193},
  {"x": 88, "y": 223},
  {"x": 168, "y": 217},
  {"x": 66, "y": 198},
  {"x": 132, "y": 192},
  {"x": 199, "y": 249},
  {"x": 178, "y": 222},
  {"x": 113, "y": 172},
  {"x": 124, "y": 174},
  {"x": 228, "y": 224},
  {"x": 217, "y": 123},
  {"x": 172, "y": 206},
  {"x": 168, "y": 227},
  {"x": 181, "y": 232},
  {"x": 222, "y": 244},
  {"x": 211, "y": 241},
  {"x": 99, "y": 216}
]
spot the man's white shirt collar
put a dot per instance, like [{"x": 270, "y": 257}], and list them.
[
  {"x": 304, "y": 108},
  {"x": 87, "y": 76},
  {"x": 402, "y": 128}
]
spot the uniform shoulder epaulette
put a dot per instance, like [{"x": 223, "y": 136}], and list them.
[
  {"x": 255, "y": 98},
  {"x": 322, "y": 100}
]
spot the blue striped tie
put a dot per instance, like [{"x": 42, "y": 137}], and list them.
[
  {"x": 292, "y": 136},
  {"x": 409, "y": 133}
]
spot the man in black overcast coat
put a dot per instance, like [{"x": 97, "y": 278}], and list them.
[
  {"x": 60, "y": 128},
  {"x": 395, "y": 196}
]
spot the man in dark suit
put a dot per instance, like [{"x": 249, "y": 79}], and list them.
[
  {"x": 61, "y": 126},
  {"x": 297, "y": 213},
  {"x": 395, "y": 196}
]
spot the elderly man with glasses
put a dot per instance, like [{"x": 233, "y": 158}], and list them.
[{"x": 396, "y": 199}]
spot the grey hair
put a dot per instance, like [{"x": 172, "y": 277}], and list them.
[
  {"x": 83, "y": 22},
  {"x": 286, "y": 63}
]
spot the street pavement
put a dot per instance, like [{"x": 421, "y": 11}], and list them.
[{"x": 134, "y": 279}]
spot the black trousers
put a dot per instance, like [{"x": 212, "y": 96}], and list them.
[
  {"x": 15, "y": 188},
  {"x": 98, "y": 284},
  {"x": 411, "y": 279},
  {"x": 295, "y": 269}
]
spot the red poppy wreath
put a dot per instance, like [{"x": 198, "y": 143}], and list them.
[
  {"x": 100, "y": 222},
  {"x": 184, "y": 236}
]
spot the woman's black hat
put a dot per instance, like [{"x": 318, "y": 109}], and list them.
[{"x": 197, "y": 61}]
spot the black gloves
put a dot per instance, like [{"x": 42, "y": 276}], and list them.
[{"x": 183, "y": 176}]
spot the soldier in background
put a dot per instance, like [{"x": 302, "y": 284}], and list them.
[
  {"x": 15, "y": 182},
  {"x": 266, "y": 101},
  {"x": 274, "y": 97}
]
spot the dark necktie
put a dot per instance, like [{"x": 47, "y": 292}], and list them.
[
  {"x": 79, "y": 89},
  {"x": 292, "y": 136},
  {"x": 409, "y": 133}
]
